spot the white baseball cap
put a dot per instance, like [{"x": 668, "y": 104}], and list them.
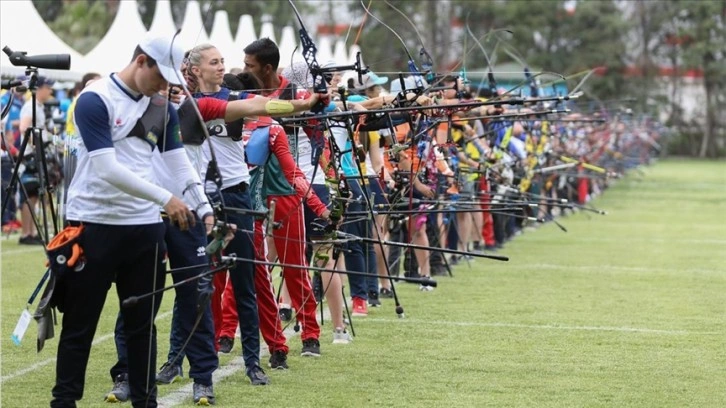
[
  {"x": 370, "y": 80},
  {"x": 168, "y": 56},
  {"x": 409, "y": 82}
]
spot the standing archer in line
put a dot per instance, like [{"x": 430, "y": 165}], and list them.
[
  {"x": 121, "y": 121},
  {"x": 207, "y": 66}
]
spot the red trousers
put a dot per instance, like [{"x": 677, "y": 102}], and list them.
[
  {"x": 270, "y": 324},
  {"x": 487, "y": 229},
  {"x": 583, "y": 188},
  {"x": 290, "y": 244},
  {"x": 224, "y": 309}
]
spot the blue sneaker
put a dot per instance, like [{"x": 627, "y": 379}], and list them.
[
  {"x": 169, "y": 373},
  {"x": 120, "y": 391},
  {"x": 203, "y": 394}
]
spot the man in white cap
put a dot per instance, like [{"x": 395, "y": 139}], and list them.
[{"x": 121, "y": 120}]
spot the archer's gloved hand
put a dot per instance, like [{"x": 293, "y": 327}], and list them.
[{"x": 322, "y": 229}]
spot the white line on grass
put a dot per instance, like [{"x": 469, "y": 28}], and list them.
[
  {"x": 616, "y": 268},
  {"x": 538, "y": 326},
  {"x": 643, "y": 239},
  {"x": 51, "y": 360},
  {"x": 22, "y": 250},
  {"x": 184, "y": 394}
]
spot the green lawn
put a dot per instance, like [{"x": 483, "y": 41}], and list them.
[{"x": 627, "y": 309}]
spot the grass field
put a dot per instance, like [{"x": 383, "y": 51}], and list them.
[{"x": 626, "y": 310}]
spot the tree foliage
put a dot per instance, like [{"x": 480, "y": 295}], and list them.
[{"x": 81, "y": 24}]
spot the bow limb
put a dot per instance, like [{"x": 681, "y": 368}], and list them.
[
  {"x": 310, "y": 52},
  {"x": 527, "y": 74},
  {"x": 427, "y": 63},
  {"x": 411, "y": 63}
]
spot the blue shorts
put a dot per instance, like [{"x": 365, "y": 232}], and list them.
[
  {"x": 323, "y": 194},
  {"x": 378, "y": 194}
]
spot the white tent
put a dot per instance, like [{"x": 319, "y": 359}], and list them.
[
  {"x": 324, "y": 50},
  {"x": 192, "y": 33},
  {"x": 245, "y": 31},
  {"x": 163, "y": 23},
  {"x": 23, "y": 29},
  {"x": 116, "y": 48},
  {"x": 352, "y": 52},
  {"x": 288, "y": 41},
  {"x": 268, "y": 30},
  {"x": 340, "y": 55},
  {"x": 221, "y": 37}
]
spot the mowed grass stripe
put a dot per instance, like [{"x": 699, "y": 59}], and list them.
[{"x": 515, "y": 334}]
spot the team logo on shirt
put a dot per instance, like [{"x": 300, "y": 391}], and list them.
[
  {"x": 152, "y": 138},
  {"x": 201, "y": 251}
]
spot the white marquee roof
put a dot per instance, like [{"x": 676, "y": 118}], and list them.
[
  {"x": 163, "y": 23},
  {"x": 192, "y": 32},
  {"x": 115, "y": 49},
  {"x": 221, "y": 37}
]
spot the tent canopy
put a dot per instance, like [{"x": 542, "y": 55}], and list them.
[{"x": 115, "y": 49}]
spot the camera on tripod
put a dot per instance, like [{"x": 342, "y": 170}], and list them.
[
  {"x": 48, "y": 61},
  {"x": 40, "y": 167}
]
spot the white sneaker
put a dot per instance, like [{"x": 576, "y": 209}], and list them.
[
  {"x": 340, "y": 336},
  {"x": 423, "y": 288}
]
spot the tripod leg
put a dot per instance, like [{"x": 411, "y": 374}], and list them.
[
  {"x": 347, "y": 313},
  {"x": 45, "y": 191}
]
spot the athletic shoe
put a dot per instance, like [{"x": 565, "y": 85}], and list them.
[
  {"x": 203, "y": 394},
  {"x": 373, "y": 300},
  {"x": 226, "y": 344},
  {"x": 285, "y": 312},
  {"x": 310, "y": 348},
  {"x": 30, "y": 240},
  {"x": 120, "y": 391},
  {"x": 439, "y": 270},
  {"x": 423, "y": 288},
  {"x": 359, "y": 307},
  {"x": 169, "y": 373},
  {"x": 341, "y": 336},
  {"x": 257, "y": 376},
  {"x": 386, "y": 293},
  {"x": 278, "y": 360}
]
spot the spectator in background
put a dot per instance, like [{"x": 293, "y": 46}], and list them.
[
  {"x": 85, "y": 81},
  {"x": 10, "y": 128}
]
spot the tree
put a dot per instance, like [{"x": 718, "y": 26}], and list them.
[
  {"x": 703, "y": 25},
  {"x": 280, "y": 12},
  {"x": 81, "y": 24},
  {"x": 551, "y": 37}
]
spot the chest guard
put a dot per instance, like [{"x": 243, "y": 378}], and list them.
[
  {"x": 192, "y": 129},
  {"x": 257, "y": 150},
  {"x": 234, "y": 129},
  {"x": 150, "y": 126}
]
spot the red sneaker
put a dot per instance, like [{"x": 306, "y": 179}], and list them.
[{"x": 360, "y": 308}]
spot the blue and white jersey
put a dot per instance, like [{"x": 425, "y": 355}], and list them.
[
  {"x": 111, "y": 117},
  {"x": 229, "y": 149}
]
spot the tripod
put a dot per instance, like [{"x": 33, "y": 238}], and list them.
[{"x": 34, "y": 136}]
